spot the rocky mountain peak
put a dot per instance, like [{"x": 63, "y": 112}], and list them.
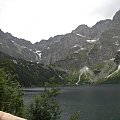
[
  {"x": 116, "y": 20},
  {"x": 117, "y": 16},
  {"x": 80, "y": 28},
  {"x": 95, "y": 31},
  {"x": 101, "y": 22},
  {"x": 83, "y": 30},
  {"x": 100, "y": 27},
  {"x": 8, "y": 35},
  {"x": 1, "y": 33}
]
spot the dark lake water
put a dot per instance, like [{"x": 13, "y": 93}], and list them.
[{"x": 94, "y": 102}]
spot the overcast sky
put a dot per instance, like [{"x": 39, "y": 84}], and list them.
[{"x": 40, "y": 19}]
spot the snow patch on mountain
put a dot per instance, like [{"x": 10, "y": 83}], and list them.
[
  {"x": 80, "y": 50},
  {"x": 112, "y": 59},
  {"x": 15, "y": 61},
  {"x": 13, "y": 41},
  {"x": 76, "y": 45},
  {"x": 80, "y": 35},
  {"x": 48, "y": 47},
  {"x": 116, "y": 43},
  {"x": 30, "y": 49},
  {"x": 91, "y": 41},
  {"x": 38, "y": 53},
  {"x": 116, "y": 36}
]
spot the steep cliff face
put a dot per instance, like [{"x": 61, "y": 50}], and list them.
[
  {"x": 60, "y": 50},
  {"x": 99, "y": 51},
  {"x": 104, "y": 43},
  {"x": 101, "y": 42},
  {"x": 116, "y": 20},
  {"x": 100, "y": 27}
]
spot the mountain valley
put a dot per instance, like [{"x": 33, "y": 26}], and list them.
[{"x": 84, "y": 56}]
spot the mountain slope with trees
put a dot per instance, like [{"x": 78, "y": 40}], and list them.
[{"x": 31, "y": 74}]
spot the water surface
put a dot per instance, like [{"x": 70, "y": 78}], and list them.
[{"x": 94, "y": 102}]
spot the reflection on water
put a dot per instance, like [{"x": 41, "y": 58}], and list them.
[{"x": 94, "y": 102}]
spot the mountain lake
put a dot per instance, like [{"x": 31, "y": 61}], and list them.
[{"x": 98, "y": 102}]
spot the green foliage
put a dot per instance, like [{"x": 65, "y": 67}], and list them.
[
  {"x": 75, "y": 116},
  {"x": 73, "y": 61},
  {"x": 45, "y": 106},
  {"x": 115, "y": 78},
  {"x": 10, "y": 94},
  {"x": 31, "y": 74},
  {"x": 98, "y": 66},
  {"x": 72, "y": 78},
  {"x": 85, "y": 78}
]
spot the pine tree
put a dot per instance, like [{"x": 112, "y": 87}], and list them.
[
  {"x": 10, "y": 94},
  {"x": 45, "y": 106}
]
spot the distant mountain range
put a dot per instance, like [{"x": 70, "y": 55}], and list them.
[
  {"x": 59, "y": 47},
  {"x": 84, "y": 46}
]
